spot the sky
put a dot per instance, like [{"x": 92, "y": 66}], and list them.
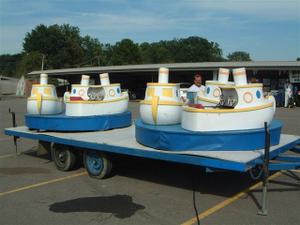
[{"x": 267, "y": 29}]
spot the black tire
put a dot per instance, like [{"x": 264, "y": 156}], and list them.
[
  {"x": 97, "y": 164},
  {"x": 63, "y": 156}
]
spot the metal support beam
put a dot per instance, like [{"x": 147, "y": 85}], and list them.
[
  {"x": 14, "y": 124},
  {"x": 263, "y": 211}
]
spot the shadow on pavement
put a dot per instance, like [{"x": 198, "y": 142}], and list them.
[
  {"x": 222, "y": 183},
  {"x": 121, "y": 206}
]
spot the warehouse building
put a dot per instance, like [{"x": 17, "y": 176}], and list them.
[{"x": 273, "y": 74}]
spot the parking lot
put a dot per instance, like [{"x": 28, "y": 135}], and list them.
[{"x": 33, "y": 191}]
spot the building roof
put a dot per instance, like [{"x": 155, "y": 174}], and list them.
[{"x": 253, "y": 65}]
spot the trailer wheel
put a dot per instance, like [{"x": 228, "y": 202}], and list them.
[
  {"x": 97, "y": 164},
  {"x": 64, "y": 158}
]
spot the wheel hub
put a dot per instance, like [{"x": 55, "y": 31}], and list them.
[{"x": 62, "y": 156}]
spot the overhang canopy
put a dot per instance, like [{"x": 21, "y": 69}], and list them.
[{"x": 252, "y": 65}]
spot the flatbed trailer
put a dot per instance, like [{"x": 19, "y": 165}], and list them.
[
  {"x": 99, "y": 147},
  {"x": 122, "y": 141}
]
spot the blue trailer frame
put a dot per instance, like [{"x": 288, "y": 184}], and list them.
[{"x": 282, "y": 162}]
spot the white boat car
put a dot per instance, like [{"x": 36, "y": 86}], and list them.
[
  {"x": 43, "y": 98},
  {"x": 242, "y": 106},
  {"x": 89, "y": 100},
  {"x": 162, "y": 104}
]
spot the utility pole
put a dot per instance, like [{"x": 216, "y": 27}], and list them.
[
  {"x": 98, "y": 57},
  {"x": 43, "y": 61}
]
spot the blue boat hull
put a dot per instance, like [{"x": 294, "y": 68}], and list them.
[
  {"x": 175, "y": 138},
  {"x": 61, "y": 122}
]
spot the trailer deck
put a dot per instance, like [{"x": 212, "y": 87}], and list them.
[{"x": 122, "y": 141}]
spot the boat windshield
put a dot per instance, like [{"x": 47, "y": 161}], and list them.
[{"x": 228, "y": 98}]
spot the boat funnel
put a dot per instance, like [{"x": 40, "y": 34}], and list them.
[
  {"x": 104, "y": 78},
  {"x": 43, "y": 79},
  {"x": 85, "y": 80},
  {"x": 223, "y": 75},
  {"x": 239, "y": 76},
  {"x": 163, "y": 76}
]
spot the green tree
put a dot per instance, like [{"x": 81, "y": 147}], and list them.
[
  {"x": 197, "y": 49},
  {"x": 8, "y": 64},
  {"x": 61, "y": 45},
  {"x": 30, "y": 61},
  {"x": 125, "y": 52},
  {"x": 146, "y": 51},
  {"x": 239, "y": 56},
  {"x": 191, "y": 49},
  {"x": 92, "y": 49}
]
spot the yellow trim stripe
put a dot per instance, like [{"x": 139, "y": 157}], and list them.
[
  {"x": 34, "y": 91},
  {"x": 208, "y": 100},
  {"x": 150, "y": 92},
  {"x": 147, "y": 102},
  {"x": 164, "y": 72},
  {"x": 39, "y": 101},
  {"x": 43, "y": 85},
  {"x": 110, "y": 85},
  {"x": 154, "y": 104},
  {"x": 241, "y": 86},
  {"x": 218, "y": 83},
  {"x": 228, "y": 201},
  {"x": 44, "y": 98},
  {"x": 42, "y": 183},
  {"x": 79, "y": 85},
  {"x": 224, "y": 72},
  {"x": 195, "y": 110},
  {"x": 97, "y": 102},
  {"x": 239, "y": 73},
  {"x": 160, "y": 84},
  {"x": 167, "y": 92},
  {"x": 48, "y": 91}
]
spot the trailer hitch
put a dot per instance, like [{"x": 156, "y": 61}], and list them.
[{"x": 14, "y": 124}]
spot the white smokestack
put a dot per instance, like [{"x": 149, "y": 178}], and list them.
[
  {"x": 85, "y": 80},
  {"x": 239, "y": 76},
  {"x": 43, "y": 79},
  {"x": 104, "y": 78},
  {"x": 163, "y": 76},
  {"x": 223, "y": 75}
]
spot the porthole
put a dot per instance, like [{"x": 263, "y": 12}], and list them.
[
  {"x": 258, "y": 94},
  {"x": 248, "y": 97},
  {"x": 112, "y": 93},
  {"x": 217, "y": 93},
  {"x": 207, "y": 90},
  {"x": 81, "y": 92}
]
